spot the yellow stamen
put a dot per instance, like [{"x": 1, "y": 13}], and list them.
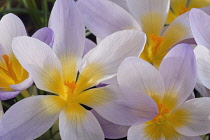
[
  {"x": 9, "y": 70},
  {"x": 183, "y": 10},
  {"x": 71, "y": 87}
]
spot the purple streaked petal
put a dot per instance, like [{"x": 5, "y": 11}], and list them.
[
  {"x": 137, "y": 74},
  {"x": 200, "y": 26},
  {"x": 88, "y": 46},
  {"x": 30, "y": 117},
  {"x": 76, "y": 123},
  {"x": 10, "y": 27},
  {"x": 121, "y": 3},
  {"x": 103, "y": 17},
  {"x": 178, "y": 70},
  {"x": 5, "y": 95},
  {"x": 46, "y": 35},
  {"x": 111, "y": 130},
  {"x": 205, "y": 92},
  {"x": 120, "y": 105},
  {"x": 67, "y": 23},
  {"x": 23, "y": 85}
]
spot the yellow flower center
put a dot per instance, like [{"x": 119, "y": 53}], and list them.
[
  {"x": 70, "y": 94},
  {"x": 156, "y": 41},
  {"x": 9, "y": 70},
  {"x": 183, "y": 10},
  {"x": 162, "y": 115}
]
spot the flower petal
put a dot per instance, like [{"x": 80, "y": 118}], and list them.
[
  {"x": 8, "y": 95},
  {"x": 202, "y": 55},
  {"x": 138, "y": 132},
  {"x": 199, "y": 22},
  {"x": 111, "y": 130},
  {"x": 177, "y": 31},
  {"x": 120, "y": 105},
  {"x": 10, "y": 26},
  {"x": 139, "y": 75},
  {"x": 178, "y": 70},
  {"x": 151, "y": 14},
  {"x": 121, "y": 3},
  {"x": 103, "y": 61},
  {"x": 46, "y": 35},
  {"x": 76, "y": 123},
  {"x": 68, "y": 26},
  {"x": 23, "y": 85},
  {"x": 88, "y": 46},
  {"x": 205, "y": 92},
  {"x": 197, "y": 119},
  {"x": 41, "y": 63},
  {"x": 33, "y": 116},
  {"x": 103, "y": 17}
]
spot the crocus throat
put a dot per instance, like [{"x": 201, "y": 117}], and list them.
[
  {"x": 156, "y": 41},
  {"x": 183, "y": 10},
  {"x": 162, "y": 115},
  {"x": 71, "y": 87},
  {"x": 9, "y": 70}
]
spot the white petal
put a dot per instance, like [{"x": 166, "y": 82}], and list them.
[
  {"x": 151, "y": 14},
  {"x": 120, "y": 105},
  {"x": 202, "y": 55},
  {"x": 199, "y": 22},
  {"x": 103, "y": 17},
  {"x": 121, "y": 3},
  {"x": 138, "y": 74},
  {"x": 205, "y": 92},
  {"x": 23, "y": 85},
  {"x": 198, "y": 117},
  {"x": 69, "y": 29},
  {"x": 41, "y": 63},
  {"x": 30, "y": 118},
  {"x": 113, "y": 50},
  {"x": 76, "y": 123},
  {"x": 178, "y": 70},
  {"x": 10, "y": 26}
]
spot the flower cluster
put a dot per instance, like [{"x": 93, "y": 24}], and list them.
[{"x": 138, "y": 81}]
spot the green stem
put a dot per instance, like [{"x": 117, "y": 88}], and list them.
[{"x": 25, "y": 93}]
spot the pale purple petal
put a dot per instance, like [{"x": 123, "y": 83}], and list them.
[
  {"x": 79, "y": 124},
  {"x": 138, "y": 74},
  {"x": 121, "y": 3},
  {"x": 5, "y": 95},
  {"x": 197, "y": 117},
  {"x": 120, "y": 105},
  {"x": 199, "y": 22},
  {"x": 23, "y": 85},
  {"x": 29, "y": 118},
  {"x": 69, "y": 30},
  {"x": 46, "y": 35},
  {"x": 178, "y": 70},
  {"x": 41, "y": 62},
  {"x": 103, "y": 17},
  {"x": 205, "y": 92},
  {"x": 88, "y": 46},
  {"x": 10, "y": 27},
  {"x": 111, "y": 130}
]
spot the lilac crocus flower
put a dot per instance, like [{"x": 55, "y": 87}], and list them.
[
  {"x": 170, "y": 86},
  {"x": 62, "y": 71},
  {"x": 14, "y": 78},
  {"x": 103, "y": 17}
]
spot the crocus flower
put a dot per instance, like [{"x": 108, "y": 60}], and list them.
[
  {"x": 103, "y": 17},
  {"x": 170, "y": 86},
  {"x": 61, "y": 71},
  {"x": 13, "y": 77},
  {"x": 179, "y": 7},
  {"x": 199, "y": 21}
]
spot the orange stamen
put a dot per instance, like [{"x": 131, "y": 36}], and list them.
[
  {"x": 183, "y": 10},
  {"x": 8, "y": 70},
  {"x": 71, "y": 85},
  {"x": 161, "y": 112},
  {"x": 157, "y": 41}
]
